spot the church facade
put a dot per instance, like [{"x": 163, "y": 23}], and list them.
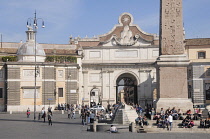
[{"x": 119, "y": 65}]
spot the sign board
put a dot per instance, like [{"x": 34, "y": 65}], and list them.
[
  {"x": 73, "y": 91},
  {"x": 50, "y": 99}
]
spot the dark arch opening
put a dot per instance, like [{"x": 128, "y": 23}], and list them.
[{"x": 126, "y": 89}]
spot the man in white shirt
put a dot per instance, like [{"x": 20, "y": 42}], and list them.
[
  {"x": 113, "y": 129},
  {"x": 170, "y": 119}
]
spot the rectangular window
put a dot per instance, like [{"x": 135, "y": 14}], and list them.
[
  {"x": 1, "y": 92},
  {"x": 201, "y": 55},
  {"x": 92, "y": 94},
  {"x": 60, "y": 92}
]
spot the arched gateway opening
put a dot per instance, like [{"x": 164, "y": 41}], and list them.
[{"x": 126, "y": 89}]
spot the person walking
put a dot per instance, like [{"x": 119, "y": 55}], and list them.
[
  {"x": 28, "y": 112},
  {"x": 44, "y": 116},
  {"x": 50, "y": 118},
  {"x": 170, "y": 119},
  {"x": 69, "y": 112},
  {"x": 83, "y": 119}
]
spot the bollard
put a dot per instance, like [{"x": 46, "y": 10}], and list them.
[
  {"x": 94, "y": 126},
  {"x": 10, "y": 112},
  {"x": 133, "y": 129},
  {"x": 62, "y": 111}
]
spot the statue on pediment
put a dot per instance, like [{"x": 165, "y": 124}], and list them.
[{"x": 126, "y": 36}]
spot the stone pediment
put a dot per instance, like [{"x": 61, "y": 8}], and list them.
[{"x": 127, "y": 34}]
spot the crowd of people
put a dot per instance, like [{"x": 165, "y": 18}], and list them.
[{"x": 164, "y": 118}]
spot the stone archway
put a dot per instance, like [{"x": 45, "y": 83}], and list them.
[{"x": 126, "y": 89}]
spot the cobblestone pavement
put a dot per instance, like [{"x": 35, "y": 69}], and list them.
[{"x": 19, "y": 127}]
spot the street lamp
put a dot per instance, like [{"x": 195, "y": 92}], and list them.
[
  {"x": 35, "y": 27},
  {"x": 68, "y": 90}
]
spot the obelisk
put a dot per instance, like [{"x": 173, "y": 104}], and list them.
[{"x": 173, "y": 61}]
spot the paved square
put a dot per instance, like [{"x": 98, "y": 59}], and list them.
[{"x": 21, "y": 127}]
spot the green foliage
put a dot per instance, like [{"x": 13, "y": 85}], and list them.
[
  {"x": 9, "y": 58},
  {"x": 61, "y": 59}
]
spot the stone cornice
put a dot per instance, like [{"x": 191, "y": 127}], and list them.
[{"x": 120, "y": 47}]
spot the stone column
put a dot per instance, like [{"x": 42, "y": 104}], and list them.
[
  {"x": 86, "y": 95},
  {"x": 112, "y": 89},
  {"x": 173, "y": 61}
]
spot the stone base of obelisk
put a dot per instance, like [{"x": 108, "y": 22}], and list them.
[
  {"x": 172, "y": 82},
  {"x": 183, "y": 104}
]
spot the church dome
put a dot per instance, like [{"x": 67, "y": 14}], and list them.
[{"x": 26, "y": 52}]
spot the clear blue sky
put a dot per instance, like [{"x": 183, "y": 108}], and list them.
[{"x": 93, "y": 17}]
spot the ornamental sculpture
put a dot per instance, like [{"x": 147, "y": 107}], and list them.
[{"x": 126, "y": 37}]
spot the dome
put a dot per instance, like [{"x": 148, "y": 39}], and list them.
[{"x": 26, "y": 52}]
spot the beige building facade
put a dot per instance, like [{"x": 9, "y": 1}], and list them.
[{"x": 122, "y": 60}]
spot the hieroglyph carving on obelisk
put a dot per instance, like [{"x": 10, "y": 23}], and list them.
[{"x": 171, "y": 35}]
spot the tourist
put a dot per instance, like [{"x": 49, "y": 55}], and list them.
[
  {"x": 73, "y": 114},
  {"x": 83, "y": 119},
  {"x": 162, "y": 113},
  {"x": 69, "y": 112},
  {"x": 185, "y": 122},
  {"x": 88, "y": 116},
  {"x": 179, "y": 112},
  {"x": 152, "y": 113},
  {"x": 199, "y": 113},
  {"x": 202, "y": 123},
  {"x": 166, "y": 123},
  {"x": 28, "y": 112},
  {"x": 191, "y": 124},
  {"x": 43, "y": 113},
  {"x": 50, "y": 109},
  {"x": 50, "y": 118},
  {"x": 92, "y": 116},
  {"x": 44, "y": 116},
  {"x": 145, "y": 122},
  {"x": 170, "y": 119},
  {"x": 139, "y": 121},
  {"x": 113, "y": 129}
]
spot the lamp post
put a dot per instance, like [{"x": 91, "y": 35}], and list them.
[
  {"x": 68, "y": 90},
  {"x": 34, "y": 27}
]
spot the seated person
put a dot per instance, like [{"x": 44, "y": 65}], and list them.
[
  {"x": 189, "y": 112},
  {"x": 113, "y": 129},
  {"x": 185, "y": 123},
  {"x": 156, "y": 116},
  {"x": 202, "y": 123},
  {"x": 191, "y": 124},
  {"x": 160, "y": 123},
  {"x": 174, "y": 114},
  {"x": 188, "y": 117},
  {"x": 207, "y": 123},
  {"x": 139, "y": 120},
  {"x": 179, "y": 112},
  {"x": 144, "y": 120},
  {"x": 199, "y": 113}
]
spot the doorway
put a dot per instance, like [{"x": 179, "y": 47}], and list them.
[{"x": 126, "y": 89}]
